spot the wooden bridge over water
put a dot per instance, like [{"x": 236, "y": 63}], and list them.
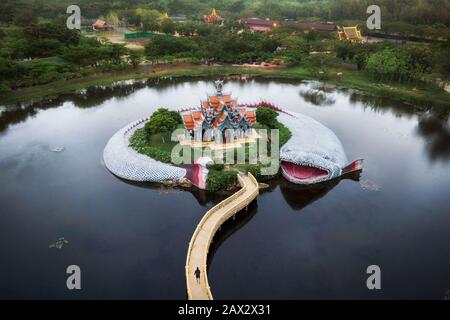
[{"x": 203, "y": 235}]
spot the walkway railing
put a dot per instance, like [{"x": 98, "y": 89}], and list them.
[{"x": 199, "y": 289}]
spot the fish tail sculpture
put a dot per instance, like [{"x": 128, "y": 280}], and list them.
[{"x": 356, "y": 165}]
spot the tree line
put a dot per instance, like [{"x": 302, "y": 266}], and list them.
[
  {"x": 61, "y": 54},
  {"x": 48, "y": 51},
  {"x": 426, "y": 12}
]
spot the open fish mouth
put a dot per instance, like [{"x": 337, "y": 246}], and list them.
[
  {"x": 303, "y": 173},
  {"x": 309, "y": 166},
  {"x": 307, "y": 173}
]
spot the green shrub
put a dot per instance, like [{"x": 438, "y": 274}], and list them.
[
  {"x": 255, "y": 170},
  {"x": 10, "y": 70},
  {"x": 267, "y": 117},
  {"x": 401, "y": 64},
  {"x": 18, "y": 74},
  {"x": 215, "y": 166},
  {"x": 220, "y": 180},
  {"x": 266, "y": 120},
  {"x": 157, "y": 154},
  {"x": 163, "y": 46},
  {"x": 4, "y": 87},
  {"x": 41, "y": 72},
  {"x": 386, "y": 65},
  {"x": 139, "y": 143},
  {"x": 162, "y": 121}
]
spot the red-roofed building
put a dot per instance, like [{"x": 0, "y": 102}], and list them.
[
  {"x": 259, "y": 24},
  {"x": 217, "y": 114},
  {"x": 100, "y": 24}
]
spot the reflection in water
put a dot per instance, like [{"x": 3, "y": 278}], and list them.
[
  {"x": 369, "y": 185},
  {"x": 433, "y": 125},
  {"x": 436, "y": 132},
  {"x": 203, "y": 197},
  {"x": 15, "y": 114},
  {"x": 324, "y": 87},
  {"x": 383, "y": 104},
  {"x": 85, "y": 98},
  {"x": 317, "y": 98},
  {"x": 231, "y": 226},
  {"x": 93, "y": 96},
  {"x": 298, "y": 196},
  {"x": 319, "y": 95}
]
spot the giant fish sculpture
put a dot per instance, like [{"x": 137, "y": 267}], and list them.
[{"x": 313, "y": 154}]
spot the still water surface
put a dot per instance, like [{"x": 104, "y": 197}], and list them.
[{"x": 130, "y": 240}]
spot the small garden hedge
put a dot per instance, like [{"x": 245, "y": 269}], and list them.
[
  {"x": 139, "y": 142},
  {"x": 220, "y": 180}
]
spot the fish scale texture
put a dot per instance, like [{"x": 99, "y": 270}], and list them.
[{"x": 128, "y": 164}]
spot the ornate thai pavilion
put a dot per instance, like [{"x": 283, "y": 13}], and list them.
[
  {"x": 216, "y": 114},
  {"x": 350, "y": 33},
  {"x": 212, "y": 18}
]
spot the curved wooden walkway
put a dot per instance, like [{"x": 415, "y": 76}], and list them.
[{"x": 201, "y": 239}]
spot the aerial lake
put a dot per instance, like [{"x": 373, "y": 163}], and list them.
[{"x": 60, "y": 206}]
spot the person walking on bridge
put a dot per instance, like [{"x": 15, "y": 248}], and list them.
[{"x": 197, "y": 274}]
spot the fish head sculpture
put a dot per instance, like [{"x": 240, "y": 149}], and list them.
[{"x": 314, "y": 153}]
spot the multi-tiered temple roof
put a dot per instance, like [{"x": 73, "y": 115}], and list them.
[
  {"x": 218, "y": 113},
  {"x": 213, "y": 17}
]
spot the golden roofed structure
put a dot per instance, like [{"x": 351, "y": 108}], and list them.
[
  {"x": 212, "y": 18},
  {"x": 350, "y": 33}
]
